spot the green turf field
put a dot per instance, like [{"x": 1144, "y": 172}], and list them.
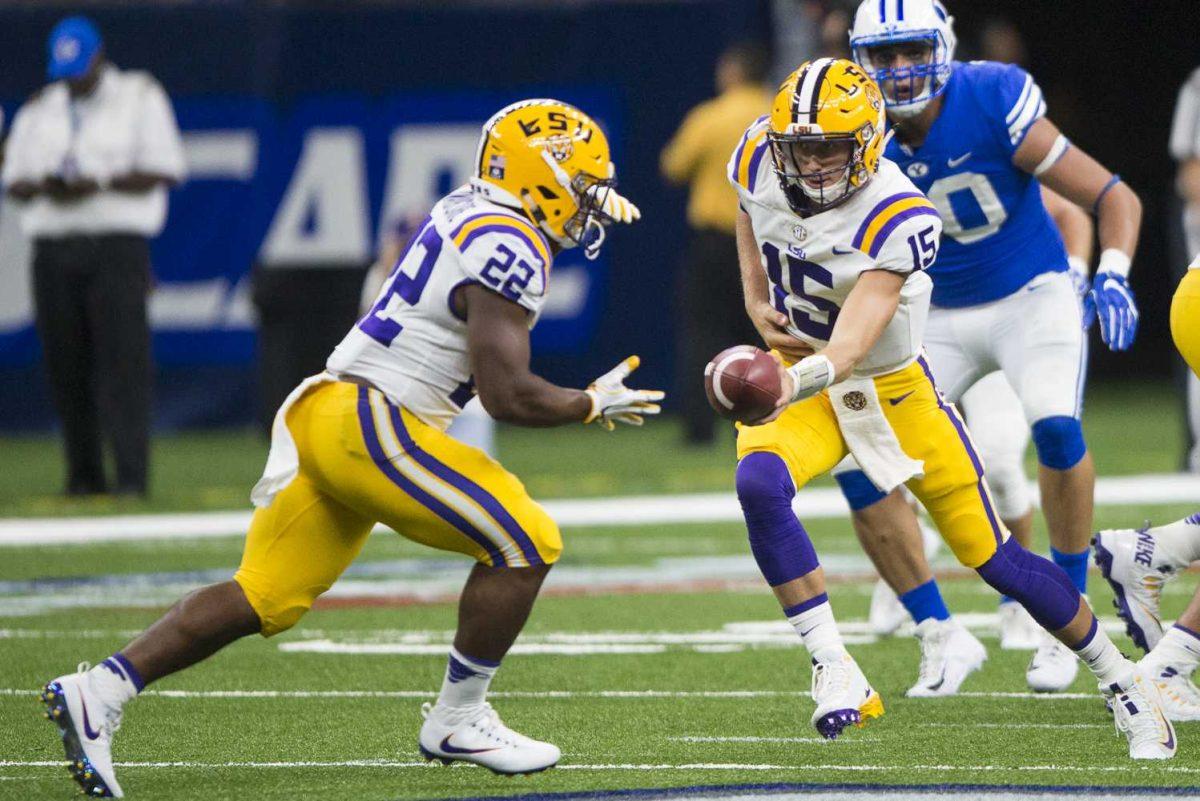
[{"x": 667, "y": 688}]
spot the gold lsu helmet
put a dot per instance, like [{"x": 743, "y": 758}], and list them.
[
  {"x": 551, "y": 161},
  {"x": 825, "y": 107}
]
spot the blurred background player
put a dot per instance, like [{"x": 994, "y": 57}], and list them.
[
  {"x": 90, "y": 158},
  {"x": 705, "y": 322},
  {"x": 365, "y": 442},
  {"x": 1185, "y": 150},
  {"x": 1139, "y": 562},
  {"x": 1003, "y": 297},
  {"x": 833, "y": 242}
]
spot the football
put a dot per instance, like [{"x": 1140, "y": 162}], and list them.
[{"x": 742, "y": 383}]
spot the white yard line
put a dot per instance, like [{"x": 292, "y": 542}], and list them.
[
  {"x": 627, "y": 766},
  {"x": 713, "y": 507}
]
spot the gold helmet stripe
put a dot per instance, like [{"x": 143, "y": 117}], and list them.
[{"x": 808, "y": 89}]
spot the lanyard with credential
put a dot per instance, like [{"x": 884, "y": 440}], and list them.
[{"x": 69, "y": 170}]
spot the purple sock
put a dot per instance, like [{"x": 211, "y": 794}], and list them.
[
  {"x": 780, "y": 544},
  {"x": 1042, "y": 587},
  {"x": 118, "y": 664}
]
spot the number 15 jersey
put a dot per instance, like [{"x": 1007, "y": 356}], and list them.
[
  {"x": 412, "y": 344},
  {"x": 813, "y": 262}
]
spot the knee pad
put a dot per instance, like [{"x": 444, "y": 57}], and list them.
[
  {"x": 858, "y": 489},
  {"x": 1041, "y": 586},
  {"x": 763, "y": 481},
  {"x": 1010, "y": 488},
  {"x": 1059, "y": 442}
]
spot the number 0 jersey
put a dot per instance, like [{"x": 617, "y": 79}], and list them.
[
  {"x": 998, "y": 234},
  {"x": 813, "y": 262},
  {"x": 412, "y": 344}
]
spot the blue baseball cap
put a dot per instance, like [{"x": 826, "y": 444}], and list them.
[{"x": 71, "y": 47}]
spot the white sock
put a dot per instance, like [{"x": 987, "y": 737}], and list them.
[
  {"x": 1102, "y": 658},
  {"x": 1179, "y": 648},
  {"x": 819, "y": 631},
  {"x": 112, "y": 682},
  {"x": 1179, "y": 542},
  {"x": 466, "y": 682}
]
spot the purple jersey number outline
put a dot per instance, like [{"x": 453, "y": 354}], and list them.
[
  {"x": 783, "y": 284},
  {"x": 378, "y": 323}
]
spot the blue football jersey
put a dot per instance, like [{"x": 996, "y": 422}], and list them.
[{"x": 997, "y": 234}]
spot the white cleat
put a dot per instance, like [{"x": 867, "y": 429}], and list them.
[
  {"x": 479, "y": 736},
  {"x": 1179, "y": 696},
  {"x": 86, "y": 725},
  {"x": 1137, "y": 712},
  {"x": 843, "y": 697},
  {"x": 1053, "y": 667},
  {"x": 1018, "y": 630},
  {"x": 1136, "y": 570},
  {"x": 887, "y": 614},
  {"x": 949, "y": 653}
]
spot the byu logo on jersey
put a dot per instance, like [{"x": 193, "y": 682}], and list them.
[{"x": 918, "y": 169}]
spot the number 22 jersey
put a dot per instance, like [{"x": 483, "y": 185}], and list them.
[
  {"x": 812, "y": 263},
  {"x": 412, "y": 344}
]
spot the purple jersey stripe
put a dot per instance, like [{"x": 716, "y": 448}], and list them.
[
  {"x": 737, "y": 157},
  {"x": 755, "y": 159},
  {"x": 367, "y": 422},
  {"x": 505, "y": 229},
  {"x": 891, "y": 225},
  {"x": 997, "y": 529},
  {"x": 466, "y": 486},
  {"x": 875, "y": 212}
]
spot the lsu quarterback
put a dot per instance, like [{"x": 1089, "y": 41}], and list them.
[
  {"x": 837, "y": 240},
  {"x": 1138, "y": 563},
  {"x": 364, "y": 442},
  {"x": 974, "y": 137}
]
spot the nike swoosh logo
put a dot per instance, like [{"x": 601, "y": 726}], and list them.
[
  {"x": 91, "y": 733},
  {"x": 841, "y": 252},
  {"x": 810, "y": 631},
  {"x": 941, "y": 680},
  {"x": 452, "y": 749},
  {"x": 952, "y": 163},
  {"x": 897, "y": 401}
]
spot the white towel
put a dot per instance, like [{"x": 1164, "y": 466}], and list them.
[
  {"x": 870, "y": 436},
  {"x": 283, "y": 460}
]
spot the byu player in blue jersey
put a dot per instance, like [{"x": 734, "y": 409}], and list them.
[{"x": 975, "y": 139}]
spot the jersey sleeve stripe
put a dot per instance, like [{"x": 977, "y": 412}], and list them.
[
  {"x": 474, "y": 227},
  {"x": 1020, "y": 104},
  {"x": 739, "y": 154},
  {"x": 885, "y": 231},
  {"x": 755, "y": 159},
  {"x": 880, "y": 208},
  {"x": 1034, "y": 108}
]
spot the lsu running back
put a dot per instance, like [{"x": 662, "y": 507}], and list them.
[{"x": 364, "y": 443}]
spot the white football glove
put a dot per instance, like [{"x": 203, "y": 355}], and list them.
[
  {"x": 613, "y": 402},
  {"x": 615, "y": 205}
]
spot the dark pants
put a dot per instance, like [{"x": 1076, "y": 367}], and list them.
[
  {"x": 711, "y": 316},
  {"x": 90, "y": 295}
]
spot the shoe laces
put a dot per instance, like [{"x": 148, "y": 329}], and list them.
[
  {"x": 933, "y": 654},
  {"x": 1178, "y": 685},
  {"x": 1050, "y": 649},
  {"x": 111, "y": 721},
  {"x": 830, "y": 679},
  {"x": 492, "y": 727},
  {"x": 1132, "y": 713}
]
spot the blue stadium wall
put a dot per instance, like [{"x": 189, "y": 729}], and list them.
[{"x": 311, "y": 129}]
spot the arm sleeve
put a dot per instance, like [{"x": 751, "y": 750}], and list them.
[
  {"x": 507, "y": 257},
  {"x": 160, "y": 148},
  {"x": 1185, "y": 127},
  {"x": 1019, "y": 99},
  {"x": 681, "y": 154},
  {"x": 912, "y": 244}
]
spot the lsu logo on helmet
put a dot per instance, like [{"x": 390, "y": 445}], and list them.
[
  {"x": 826, "y": 109},
  {"x": 551, "y": 161}
]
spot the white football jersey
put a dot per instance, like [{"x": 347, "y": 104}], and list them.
[
  {"x": 412, "y": 344},
  {"x": 812, "y": 263}
]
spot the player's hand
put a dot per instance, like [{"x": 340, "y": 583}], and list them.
[
  {"x": 771, "y": 325},
  {"x": 615, "y": 205},
  {"x": 1078, "y": 273},
  {"x": 787, "y": 387},
  {"x": 613, "y": 402},
  {"x": 1116, "y": 310}
]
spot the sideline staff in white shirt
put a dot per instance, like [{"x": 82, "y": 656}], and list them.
[{"x": 91, "y": 156}]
